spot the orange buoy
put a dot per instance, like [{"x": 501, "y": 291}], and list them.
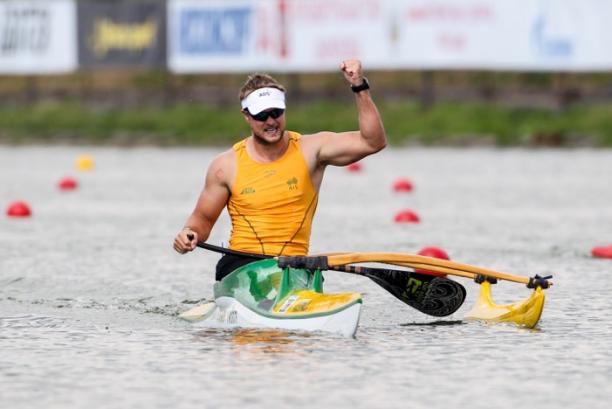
[
  {"x": 435, "y": 252},
  {"x": 402, "y": 185},
  {"x": 407, "y": 216},
  {"x": 355, "y": 167},
  {"x": 19, "y": 209},
  {"x": 602, "y": 252},
  {"x": 67, "y": 183}
]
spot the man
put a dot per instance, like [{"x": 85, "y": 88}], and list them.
[{"x": 270, "y": 180}]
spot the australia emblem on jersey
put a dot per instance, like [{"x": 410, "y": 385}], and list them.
[{"x": 292, "y": 183}]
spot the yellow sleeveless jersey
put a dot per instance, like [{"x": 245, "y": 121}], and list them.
[{"x": 272, "y": 204}]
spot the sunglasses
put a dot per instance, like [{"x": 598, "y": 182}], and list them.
[{"x": 264, "y": 115}]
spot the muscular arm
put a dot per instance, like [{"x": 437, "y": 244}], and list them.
[
  {"x": 343, "y": 148},
  {"x": 211, "y": 202}
]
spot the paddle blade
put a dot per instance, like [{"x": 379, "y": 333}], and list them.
[{"x": 435, "y": 296}]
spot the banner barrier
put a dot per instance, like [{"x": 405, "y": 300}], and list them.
[
  {"x": 538, "y": 35},
  {"x": 122, "y": 33},
  {"x": 37, "y": 37},
  {"x": 315, "y": 35},
  {"x": 199, "y": 36}
]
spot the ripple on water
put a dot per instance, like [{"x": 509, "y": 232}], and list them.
[{"x": 31, "y": 321}]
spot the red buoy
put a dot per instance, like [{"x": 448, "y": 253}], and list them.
[
  {"x": 67, "y": 183},
  {"x": 407, "y": 216},
  {"x": 18, "y": 209},
  {"x": 402, "y": 185},
  {"x": 602, "y": 252},
  {"x": 435, "y": 252},
  {"x": 355, "y": 167}
]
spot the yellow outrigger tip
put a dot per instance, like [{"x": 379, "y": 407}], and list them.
[{"x": 524, "y": 313}]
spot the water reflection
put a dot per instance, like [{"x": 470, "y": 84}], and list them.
[{"x": 255, "y": 340}]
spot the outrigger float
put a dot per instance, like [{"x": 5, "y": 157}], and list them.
[{"x": 287, "y": 292}]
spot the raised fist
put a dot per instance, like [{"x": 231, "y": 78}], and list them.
[{"x": 352, "y": 71}]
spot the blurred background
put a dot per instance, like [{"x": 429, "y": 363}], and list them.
[{"x": 444, "y": 72}]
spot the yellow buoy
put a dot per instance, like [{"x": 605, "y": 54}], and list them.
[{"x": 84, "y": 163}]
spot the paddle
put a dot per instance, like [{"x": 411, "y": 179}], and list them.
[
  {"x": 413, "y": 261},
  {"x": 431, "y": 295}
]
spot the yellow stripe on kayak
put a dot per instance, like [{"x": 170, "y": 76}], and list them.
[{"x": 305, "y": 302}]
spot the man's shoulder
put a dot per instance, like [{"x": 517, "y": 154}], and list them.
[
  {"x": 223, "y": 160},
  {"x": 221, "y": 168},
  {"x": 311, "y": 146}
]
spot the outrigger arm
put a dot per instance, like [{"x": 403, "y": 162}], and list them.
[{"x": 524, "y": 313}]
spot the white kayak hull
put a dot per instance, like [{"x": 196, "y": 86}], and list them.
[{"x": 227, "y": 312}]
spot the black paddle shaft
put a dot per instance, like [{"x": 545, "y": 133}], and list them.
[{"x": 429, "y": 294}]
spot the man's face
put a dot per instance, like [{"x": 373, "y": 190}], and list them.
[{"x": 268, "y": 126}]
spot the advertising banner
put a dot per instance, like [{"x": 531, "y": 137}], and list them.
[
  {"x": 486, "y": 34},
  {"x": 559, "y": 35},
  {"x": 224, "y": 35},
  {"x": 37, "y": 37},
  {"x": 122, "y": 33},
  {"x": 315, "y": 35}
]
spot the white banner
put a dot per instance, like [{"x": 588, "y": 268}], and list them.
[
  {"x": 503, "y": 35},
  {"x": 316, "y": 35},
  {"x": 322, "y": 33},
  {"x": 37, "y": 36}
]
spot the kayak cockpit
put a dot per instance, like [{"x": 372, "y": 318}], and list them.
[{"x": 268, "y": 290}]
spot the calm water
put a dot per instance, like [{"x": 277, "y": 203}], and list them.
[{"x": 90, "y": 286}]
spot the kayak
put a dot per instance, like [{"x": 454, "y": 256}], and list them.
[
  {"x": 287, "y": 292},
  {"x": 263, "y": 295},
  {"x": 524, "y": 313}
]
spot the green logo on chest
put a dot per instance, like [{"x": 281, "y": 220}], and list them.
[
  {"x": 292, "y": 183},
  {"x": 247, "y": 191}
]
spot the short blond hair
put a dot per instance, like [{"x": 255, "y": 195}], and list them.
[{"x": 257, "y": 81}]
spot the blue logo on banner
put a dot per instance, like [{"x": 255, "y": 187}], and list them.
[
  {"x": 214, "y": 31},
  {"x": 546, "y": 45}
]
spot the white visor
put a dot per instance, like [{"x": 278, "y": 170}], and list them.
[{"x": 262, "y": 99}]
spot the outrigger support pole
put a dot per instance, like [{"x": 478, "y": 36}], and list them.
[
  {"x": 411, "y": 261},
  {"x": 534, "y": 282}
]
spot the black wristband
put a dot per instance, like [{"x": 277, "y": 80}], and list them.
[{"x": 358, "y": 88}]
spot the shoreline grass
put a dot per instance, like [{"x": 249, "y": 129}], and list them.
[{"x": 446, "y": 124}]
